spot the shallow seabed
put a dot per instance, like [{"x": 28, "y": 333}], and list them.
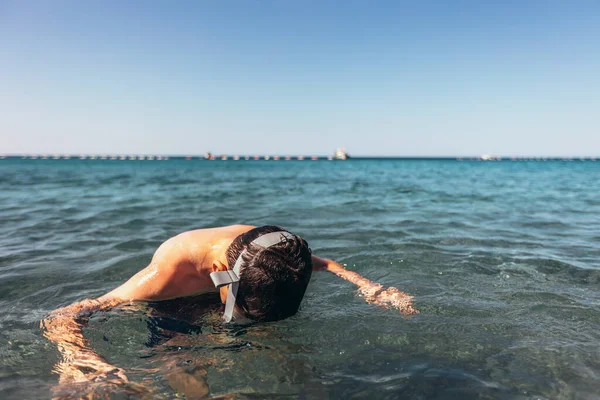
[{"x": 503, "y": 259}]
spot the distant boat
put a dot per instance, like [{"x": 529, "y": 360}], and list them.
[
  {"x": 209, "y": 156},
  {"x": 487, "y": 157},
  {"x": 340, "y": 154}
]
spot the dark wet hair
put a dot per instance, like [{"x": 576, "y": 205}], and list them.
[{"x": 272, "y": 280}]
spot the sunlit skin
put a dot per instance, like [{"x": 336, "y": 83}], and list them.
[{"x": 180, "y": 267}]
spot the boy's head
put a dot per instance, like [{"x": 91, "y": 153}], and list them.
[{"x": 272, "y": 280}]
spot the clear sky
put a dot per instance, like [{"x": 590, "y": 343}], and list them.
[{"x": 300, "y": 77}]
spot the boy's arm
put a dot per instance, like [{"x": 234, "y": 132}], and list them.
[
  {"x": 169, "y": 275},
  {"x": 373, "y": 293}
]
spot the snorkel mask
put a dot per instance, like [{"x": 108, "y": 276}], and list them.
[{"x": 231, "y": 277}]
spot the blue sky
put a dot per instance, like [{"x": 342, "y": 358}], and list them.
[{"x": 300, "y": 77}]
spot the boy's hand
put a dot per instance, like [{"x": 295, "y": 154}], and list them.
[
  {"x": 89, "y": 367},
  {"x": 102, "y": 383},
  {"x": 82, "y": 309},
  {"x": 387, "y": 297}
]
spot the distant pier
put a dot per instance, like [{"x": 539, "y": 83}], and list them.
[
  {"x": 152, "y": 157},
  {"x": 273, "y": 158}
]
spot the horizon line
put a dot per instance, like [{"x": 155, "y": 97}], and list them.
[{"x": 272, "y": 156}]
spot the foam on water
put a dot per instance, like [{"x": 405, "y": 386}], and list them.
[{"x": 502, "y": 258}]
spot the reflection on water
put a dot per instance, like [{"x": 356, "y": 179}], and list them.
[{"x": 502, "y": 259}]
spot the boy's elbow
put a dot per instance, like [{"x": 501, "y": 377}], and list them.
[{"x": 320, "y": 264}]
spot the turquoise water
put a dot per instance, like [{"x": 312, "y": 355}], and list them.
[{"x": 503, "y": 259}]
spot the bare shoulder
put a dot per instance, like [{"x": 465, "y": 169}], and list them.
[
  {"x": 194, "y": 242},
  {"x": 216, "y": 233}
]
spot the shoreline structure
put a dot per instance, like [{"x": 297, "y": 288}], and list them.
[{"x": 210, "y": 157}]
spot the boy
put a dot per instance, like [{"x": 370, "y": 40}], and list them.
[{"x": 261, "y": 273}]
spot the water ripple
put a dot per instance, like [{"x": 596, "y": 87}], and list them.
[{"x": 502, "y": 258}]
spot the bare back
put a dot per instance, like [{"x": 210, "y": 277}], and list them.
[{"x": 181, "y": 266}]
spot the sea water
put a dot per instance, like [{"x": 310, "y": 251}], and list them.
[{"x": 502, "y": 258}]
